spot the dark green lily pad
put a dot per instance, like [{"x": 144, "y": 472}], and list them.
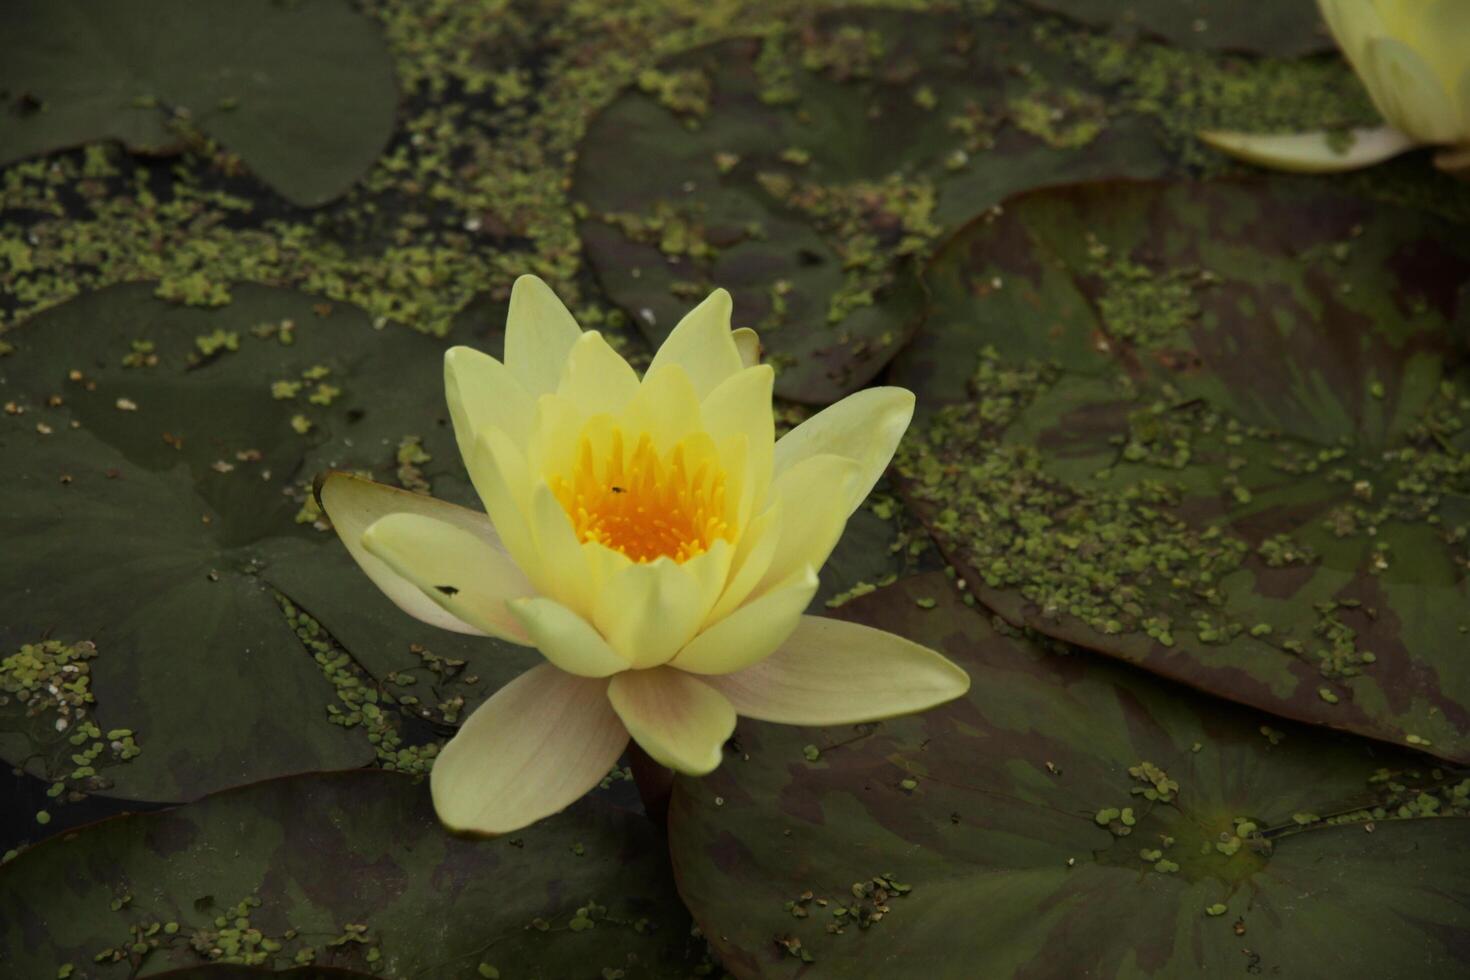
[
  {"x": 808, "y": 171},
  {"x": 303, "y": 92},
  {"x": 346, "y": 870},
  {"x": 1013, "y": 831},
  {"x": 1285, "y": 28},
  {"x": 155, "y": 505},
  {"x": 1216, "y": 430}
]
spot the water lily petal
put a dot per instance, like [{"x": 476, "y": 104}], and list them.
[
  {"x": 534, "y": 748},
  {"x": 748, "y": 343},
  {"x": 596, "y": 378},
  {"x": 702, "y": 344},
  {"x": 811, "y": 523},
  {"x": 648, "y": 611},
  {"x": 567, "y": 575},
  {"x": 832, "y": 672},
  {"x": 1440, "y": 32},
  {"x": 566, "y": 639},
  {"x": 752, "y": 632},
  {"x": 753, "y": 554},
  {"x": 1313, "y": 152},
  {"x": 1408, "y": 92},
  {"x": 555, "y": 438},
  {"x": 539, "y": 334},
  {"x": 865, "y": 426},
  {"x": 499, "y": 473},
  {"x": 354, "y": 504},
  {"x": 679, "y": 720},
  {"x": 1352, "y": 23},
  {"x": 455, "y": 567},
  {"x": 741, "y": 405},
  {"x": 666, "y": 407},
  {"x": 482, "y": 393}
]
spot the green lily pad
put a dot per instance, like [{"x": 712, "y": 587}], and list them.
[
  {"x": 1285, "y": 28},
  {"x": 164, "y": 556},
  {"x": 1218, "y": 431},
  {"x": 303, "y": 92},
  {"x": 808, "y": 172},
  {"x": 1071, "y": 816},
  {"x": 346, "y": 871}
]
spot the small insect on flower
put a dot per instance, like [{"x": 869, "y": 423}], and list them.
[
  {"x": 653, "y": 540},
  {"x": 1413, "y": 57}
]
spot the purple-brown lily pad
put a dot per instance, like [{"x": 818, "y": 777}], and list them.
[
  {"x": 1070, "y": 816},
  {"x": 1216, "y": 430}
]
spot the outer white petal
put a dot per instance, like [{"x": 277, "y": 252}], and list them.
[
  {"x": 539, "y": 334},
  {"x": 865, "y": 426},
  {"x": 566, "y": 639},
  {"x": 483, "y": 394},
  {"x": 1315, "y": 152},
  {"x": 832, "y": 672},
  {"x": 702, "y": 345},
  {"x": 354, "y": 504},
  {"x": 458, "y": 569},
  {"x": 679, "y": 720},
  {"x": 752, "y": 632},
  {"x": 534, "y": 748}
]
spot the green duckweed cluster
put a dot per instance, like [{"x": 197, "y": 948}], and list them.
[
  {"x": 49, "y": 686},
  {"x": 231, "y": 936},
  {"x": 366, "y": 704}
]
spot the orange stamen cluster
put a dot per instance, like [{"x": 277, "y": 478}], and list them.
[{"x": 642, "y": 504}]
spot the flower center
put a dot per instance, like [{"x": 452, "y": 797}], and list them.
[{"x": 645, "y": 505}]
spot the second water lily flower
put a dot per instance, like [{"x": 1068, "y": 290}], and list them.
[
  {"x": 653, "y": 539},
  {"x": 1413, "y": 56}
]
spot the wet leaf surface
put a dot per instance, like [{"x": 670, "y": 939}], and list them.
[
  {"x": 348, "y": 871},
  {"x": 1070, "y": 816},
  {"x": 156, "y": 508},
  {"x": 1218, "y": 431},
  {"x": 1285, "y": 28},
  {"x": 302, "y": 92},
  {"x": 757, "y": 165}
]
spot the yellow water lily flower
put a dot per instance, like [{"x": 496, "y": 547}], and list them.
[
  {"x": 1413, "y": 56},
  {"x": 653, "y": 540}
]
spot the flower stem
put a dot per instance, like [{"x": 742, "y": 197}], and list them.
[{"x": 655, "y": 783}]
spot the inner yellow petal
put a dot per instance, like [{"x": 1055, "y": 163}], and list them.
[{"x": 623, "y": 494}]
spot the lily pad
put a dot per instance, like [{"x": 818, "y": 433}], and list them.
[
  {"x": 346, "y": 871},
  {"x": 303, "y": 92},
  {"x": 165, "y": 560},
  {"x": 1218, "y": 431},
  {"x": 1285, "y": 28},
  {"x": 1071, "y": 816},
  {"x": 809, "y": 170}
]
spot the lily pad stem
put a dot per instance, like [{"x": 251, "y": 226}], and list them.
[{"x": 655, "y": 783}]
